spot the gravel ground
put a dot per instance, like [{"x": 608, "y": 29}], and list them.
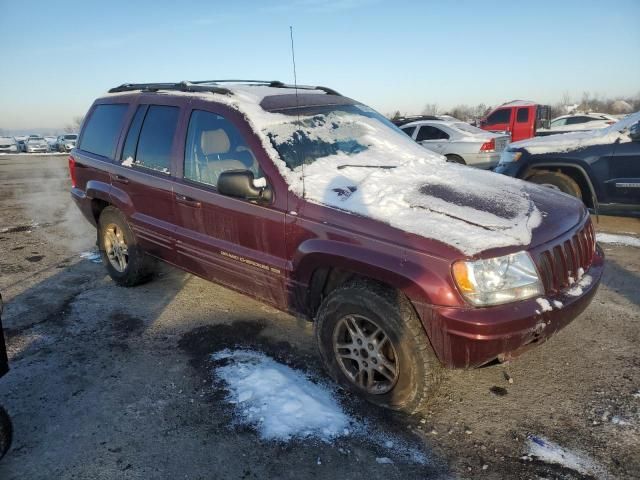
[{"x": 108, "y": 382}]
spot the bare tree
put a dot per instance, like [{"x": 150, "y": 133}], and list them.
[
  {"x": 430, "y": 109},
  {"x": 75, "y": 125}
]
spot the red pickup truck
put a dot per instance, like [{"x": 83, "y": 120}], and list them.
[
  {"x": 520, "y": 118},
  {"x": 318, "y": 205}
]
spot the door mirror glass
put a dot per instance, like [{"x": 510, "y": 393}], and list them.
[{"x": 242, "y": 184}]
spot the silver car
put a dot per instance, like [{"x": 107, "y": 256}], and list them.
[
  {"x": 458, "y": 141},
  {"x": 9, "y": 145},
  {"x": 36, "y": 145},
  {"x": 66, "y": 142}
]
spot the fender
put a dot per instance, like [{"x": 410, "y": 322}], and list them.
[
  {"x": 121, "y": 200},
  {"x": 98, "y": 190},
  {"x": 394, "y": 268}
]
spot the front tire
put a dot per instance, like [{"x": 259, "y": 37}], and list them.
[
  {"x": 557, "y": 181},
  {"x": 126, "y": 262},
  {"x": 372, "y": 342}
]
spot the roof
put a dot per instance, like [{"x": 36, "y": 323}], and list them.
[{"x": 519, "y": 103}]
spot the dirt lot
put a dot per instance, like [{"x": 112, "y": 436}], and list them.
[{"x": 108, "y": 382}]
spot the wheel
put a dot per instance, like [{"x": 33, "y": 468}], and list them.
[
  {"x": 557, "y": 181},
  {"x": 126, "y": 262},
  {"x": 6, "y": 432},
  {"x": 372, "y": 342},
  {"x": 455, "y": 159}
]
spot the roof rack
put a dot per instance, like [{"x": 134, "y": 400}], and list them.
[
  {"x": 213, "y": 86},
  {"x": 180, "y": 86},
  {"x": 273, "y": 84}
]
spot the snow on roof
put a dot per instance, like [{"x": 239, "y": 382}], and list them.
[{"x": 518, "y": 103}]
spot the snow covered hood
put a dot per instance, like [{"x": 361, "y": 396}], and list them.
[{"x": 572, "y": 141}]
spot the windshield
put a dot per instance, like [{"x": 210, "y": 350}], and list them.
[
  {"x": 342, "y": 135},
  {"x": 465, "y": 127},
  {"x": 35, "y": 139},
  {"x": 70, "y": 137}
]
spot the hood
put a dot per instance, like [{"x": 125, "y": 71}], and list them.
[
  {"x": 469, "y": 209},
  {"x": 566, "y": 142}
]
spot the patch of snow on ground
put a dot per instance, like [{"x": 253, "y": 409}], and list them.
[
  {"x": 577, "y": 289},
  {"x": 92, "y": 255},
  {"x": 544, "y": 304},
  {"x": 625, "y": 240},
  {"x": 280, "y": 402},
  {"x": 550, "y": 452}
]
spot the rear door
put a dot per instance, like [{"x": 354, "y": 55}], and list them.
[
  {"x": 433, "y": 138},
  {"x": 142, "y": 185},
  {"x": 231, "y": 241},
  {"x": 523, "y": 123}
]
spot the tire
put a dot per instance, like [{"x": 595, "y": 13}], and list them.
[
  {"x": 6, "y": 432},
  {"x": 558, "y": 181},
  {"x": 418, "y": 372},
  {"x": 126, "y": 262},
  {"x": 455, "y": 159}
]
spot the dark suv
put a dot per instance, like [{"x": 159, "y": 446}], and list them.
[
  {"x": 318, "y": 205},
  {"x": 601, "y": 167}
]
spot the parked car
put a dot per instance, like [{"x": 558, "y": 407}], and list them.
[
  {"x": 601, "y": 167},
  {"x": 66, "y": 142},
  {"x": 458, "y": 141},
  {"x": 6, "y": 429},
  {"x": 579, "y": 121},
  {"x": 8, "y": 145},
  {"x": 520, "y": 118},
  {"x": 36, "y": 145},
  {"x": 52, "y": 142},
  {"x": 318, "y": 205}
]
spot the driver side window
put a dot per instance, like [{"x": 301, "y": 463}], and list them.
[{"x": 214, "y": 145}]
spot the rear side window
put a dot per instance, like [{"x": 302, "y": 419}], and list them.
[
  {"x": 100, "y": 135},
  {"x": 523, "y": 115},
  {"x": 409, "y": 131},
  {"x": 155, "y": 140},
  {"x": 131, "y": 143},
  {"x": 499, "y": 116},
  {"x": 576, "y": 120},
  {"x": 428, "y": 132}
]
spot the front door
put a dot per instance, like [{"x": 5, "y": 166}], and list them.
[
  {"x": 623, "y": 184},
  {"x": 231, "y": 241},
  {"x": 523, "y": 123},
  {"x": 432, "y": 138}
]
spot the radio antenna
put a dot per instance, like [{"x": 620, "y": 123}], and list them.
[{"x": 295, "y": 84}]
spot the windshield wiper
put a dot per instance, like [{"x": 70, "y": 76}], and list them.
[{"x": 386, "y": 167}]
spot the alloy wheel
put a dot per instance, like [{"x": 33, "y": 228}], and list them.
[{"x": 115, "y": 246}]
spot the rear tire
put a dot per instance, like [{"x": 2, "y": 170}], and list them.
[
  {"x": 396, "y": 368},
  {"x": 455, "y": 159},
  {"x": 126, "y": 262},
  {"x": 557, "y": 181}
]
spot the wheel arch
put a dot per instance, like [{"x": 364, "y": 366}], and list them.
[{"x": 576, "y": 172}]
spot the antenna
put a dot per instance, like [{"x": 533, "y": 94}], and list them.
[{"x": 295, "y": 83}]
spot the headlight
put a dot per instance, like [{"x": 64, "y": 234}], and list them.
[
  {"x": 498, "y": 280},
  {"x": 509, "y": 156}
]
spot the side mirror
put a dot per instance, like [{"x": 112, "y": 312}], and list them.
[
  {"x": 240, "y": 184},
  {"x": 634, "y": 132}
]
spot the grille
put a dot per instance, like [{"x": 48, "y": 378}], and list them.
[{"x": 559, "y": 265}]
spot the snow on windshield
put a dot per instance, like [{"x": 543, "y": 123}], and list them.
[
  {"x": 572, "y": 141},
  {"x": 356, "y": 161}
]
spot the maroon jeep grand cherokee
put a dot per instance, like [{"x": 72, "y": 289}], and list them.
[{"x": 316, "y": 204}]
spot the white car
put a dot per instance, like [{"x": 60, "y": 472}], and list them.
[
  {"x": 8, "y": 145},
  {"x": 36, "y": 144},
  {"x": 579, "y": 121},
  {"x": 458, "y": 141}
]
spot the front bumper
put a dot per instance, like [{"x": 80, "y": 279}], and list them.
[{"x": 471, "y": 337}]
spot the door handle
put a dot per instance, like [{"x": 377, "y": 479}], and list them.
[
  {"x": 120, "y": 179},
  {"x": 190, "y": 202}
]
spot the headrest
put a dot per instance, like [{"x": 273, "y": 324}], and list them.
[{"x": 214, "y": 142}]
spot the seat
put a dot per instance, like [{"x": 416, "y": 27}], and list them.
[{"x": 215, "y": 147}]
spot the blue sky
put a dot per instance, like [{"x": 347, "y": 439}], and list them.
[{"x": 58, "y": 56}]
